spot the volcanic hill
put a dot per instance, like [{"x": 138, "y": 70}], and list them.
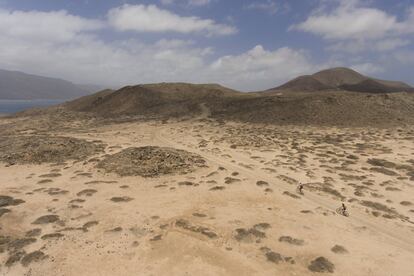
[{"x": 343, "y": 79}]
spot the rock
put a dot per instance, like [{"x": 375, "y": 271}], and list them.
[
  {"x": 338, "y": 249},
  {"x": 35, "y": 256},
  {"x": 321, "y": 264},
  {"x": 46, "y": 219}
]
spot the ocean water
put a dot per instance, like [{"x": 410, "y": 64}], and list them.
[{"x": 13, "y": 106}]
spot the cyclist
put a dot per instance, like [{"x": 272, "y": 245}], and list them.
[
  {"x": 300, "y": 188},
  {"x": 343, "y": 209}
]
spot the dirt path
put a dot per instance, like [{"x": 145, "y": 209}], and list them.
[{"x": 390, "y": 234}]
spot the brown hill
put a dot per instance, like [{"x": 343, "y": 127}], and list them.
[
  {"x": 341, "y": 78},
  {"x": 336, "y": 108},
  {"x": 326, "y": 105},
  {"x": 336, "y": 77},
  {"x": 374, "y": 86},
  {"x": 165, "y": 101},
  {"x": 161, "y": 100},
  {"x": 305, "y": 83}
]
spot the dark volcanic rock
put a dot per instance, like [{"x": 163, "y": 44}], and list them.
[
  {"x": 321, "y": 264},
  {"x": 9, "y": 201},
  {"x": 338, "y": 249},
  {"x": 45, "y": 149},
  {"x": 46, "y": 219},
  {"x": 151, "y": 162},
  {"x": 35, "y": 256}
]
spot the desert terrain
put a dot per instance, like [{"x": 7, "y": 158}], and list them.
[{"x": 210, "y": 193}]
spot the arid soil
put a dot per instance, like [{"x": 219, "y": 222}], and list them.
[{"x": 204, "y": 197}]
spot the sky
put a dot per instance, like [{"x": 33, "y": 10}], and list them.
[{"x": 245, "y": 45}]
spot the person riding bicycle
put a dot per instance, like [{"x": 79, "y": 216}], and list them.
[
  {"x": 343, "y": 208},
  {"x": 300, "y": 188}
]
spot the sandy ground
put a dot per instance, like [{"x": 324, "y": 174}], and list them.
[{"x": 241, "y": 215}]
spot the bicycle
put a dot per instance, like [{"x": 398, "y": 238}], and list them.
[{"x": 342, "y": 212}]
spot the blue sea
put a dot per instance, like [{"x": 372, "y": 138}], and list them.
[{"x": 13, "y": 106}]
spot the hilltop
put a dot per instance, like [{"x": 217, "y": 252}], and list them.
[
  {"x": 345, "y": 79},
  {"x": 317, "y": 104},
  {"x": 175, "y": 100}
]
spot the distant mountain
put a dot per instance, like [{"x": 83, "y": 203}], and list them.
[
  {"x": 21, "y": 86},
  {"x": 341, "y": 78}
]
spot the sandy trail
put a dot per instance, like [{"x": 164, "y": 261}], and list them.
[
  {"x": 213, "y": 221},
  {"x": 393, "y": 235}
]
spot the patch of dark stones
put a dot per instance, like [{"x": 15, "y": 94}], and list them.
[
  {"x": 9, "y": 201},
  {"x": 121, "y": 199},
  {"x": 45, "y": 149},
  {"x": 326, "y": 188},
  {"x": 116, "y": 229},
  {"x": 291, "y": 194},
  {"x": 77, "y": 200},
  {"x": 291, "y": 240},
  {"x": 255, "y": 233},
  {"x": 90, "y": 224},
  {"x": 56, "y": 191},
  {"x": 186, "y": 225},
  {"x": 46, "y": 219},
  {"x": 18, "y": 244},
  {"x": 44, "y": 181},
  {"x": 217, "y": 188},
  {"x": 156, "y": 238},
  {"x": 151, "y": 161},
  {"x": 186, "y": 183},
  {"x": 14, "y": 258},
  {"x": 339, "y": 249},
  {"x": 87, "y": 192},
  {"x": 262, "y": 183},
  {"x": 4, "y": 211},
  {"x": 384, "y": 171},
  {"x": 199, "y": 215},
  {"x": 100, "y": 182},
  {"x": 275, "y": 257},
  {"x": 231, "y": 180},
  {"x": 52, "y": 236},
  {"x": 50, "y": 175},
  {"x": 35, "y": 256},
  {"x": 321, "y": 265},
  {"x": 34, "y": 232}
]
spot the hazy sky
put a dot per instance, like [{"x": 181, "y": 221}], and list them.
[{"x": 247, "y": 45}]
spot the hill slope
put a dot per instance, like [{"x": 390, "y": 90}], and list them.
[
  {"x": 21, "y": 86},
  {"x": 162, "y": 100},
  {"x": 305, "y": 83},
  {"x": 165, "y": 101},
  {"x": 341, "y": 78}
]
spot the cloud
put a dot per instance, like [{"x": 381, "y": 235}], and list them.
[
  {"x": 368, "y": 68},
  {"x": 357, "y": 46},
  {"x": 62, "y": 45},
  {"x": 58, "y": 26},
  {"x": 349, "y": 23},
  {"x": 358, "y": 28},
  {"x": 187, "y": 2},
  {"x": 260, "y": 69},
  {"x": 78, "y": 54},
  {"x": 404, "y": 57},
  {"x": 266, "y": 6},
  {"x": 142, "y": 18},
  {"x": 199, "y": 2}
]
